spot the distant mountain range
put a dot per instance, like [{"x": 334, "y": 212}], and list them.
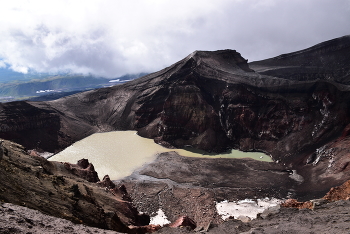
[{"x": 44, "y": 87}]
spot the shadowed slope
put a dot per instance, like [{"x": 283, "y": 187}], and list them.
[{"x": 325, "y": 61}]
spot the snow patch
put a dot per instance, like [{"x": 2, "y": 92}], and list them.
[
  {"x": 247, "y": 208},
  {"x": 159, "y": 219},
  {"x": 117, "y": 80},
  {"x": 46, "y": 154},
  {"x": 45, "y": 91}
]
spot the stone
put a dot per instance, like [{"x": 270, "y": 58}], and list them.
[
  {"x": 341, "y": 192},
  {"x": 106, "y": 182},
  {"x": 83, "y": 169},
  {"x": 1, "y": 150},
  {"x": 244, "y": 219},
  {"x": 61, "y": 190},
  {"x": 184, "y": 221},
  {"x": 293, "y": 203}
]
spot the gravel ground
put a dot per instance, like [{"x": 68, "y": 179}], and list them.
[
  {"x": 18, "y": 219},
  {"x": 333, "y": 217},
  {"x": 329, "y": 218}
]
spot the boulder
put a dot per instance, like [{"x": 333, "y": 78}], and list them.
[
  {"x": 184, "y": 221},
  {"x": 84, "y": 170}
]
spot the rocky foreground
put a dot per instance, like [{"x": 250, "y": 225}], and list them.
[
  {"x": 67, "y": 191},
  {"x": 20, "y": 219},
  {"x": 328, "y": 218},
  {"x": 39, "y": 196}
]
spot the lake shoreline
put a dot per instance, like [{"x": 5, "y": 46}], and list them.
[{"x": 119, "y": 153}]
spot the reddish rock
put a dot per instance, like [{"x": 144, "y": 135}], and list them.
[
  {"x": 83, "y": 169},
  {"x": 184, "y": 221},
  {"x": 33, "y": 153},
  {"x": 341, "y": 192},
  {"x": 106, "y": 182},
  {"x": 121, "y": 191},
  {"x": 144, "y": 229},
  {"x": 293, "y": 203}
]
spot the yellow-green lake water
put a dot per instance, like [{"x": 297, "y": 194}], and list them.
[{"x": 119, "y": 153}]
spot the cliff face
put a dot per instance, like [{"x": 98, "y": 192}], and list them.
[
  {"x": 325, "y": 61},
  {"x": 66, "y": 191},
  {"x": 20, "y": 121},
  {"x": 210, "y": 100}
]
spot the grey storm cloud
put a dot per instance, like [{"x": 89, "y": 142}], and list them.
[{"x": 111, "y": 38}]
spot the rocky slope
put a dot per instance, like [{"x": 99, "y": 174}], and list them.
[
  {"x": 19, "y": 219},
  {"x": 325, "y": 61},
  {"x": 193, "y": 186},
  {"x": 327, "y": 218},
  {"x": 210, "y": 100},
  {"x": 294, "y": 107},
  {"x": 214, "y": 101},
  {"x": 63, "y": 190},
  {"x": 66, "y": 191}
]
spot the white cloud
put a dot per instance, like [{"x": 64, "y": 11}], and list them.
[
  {"x": 111, "y": 38},
  {"x": 2, "y": 64}
]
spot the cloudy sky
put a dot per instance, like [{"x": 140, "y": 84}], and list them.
[{"x": 114, "y": 37}]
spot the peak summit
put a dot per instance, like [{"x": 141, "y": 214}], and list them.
[{"x": 226, "y": 60}]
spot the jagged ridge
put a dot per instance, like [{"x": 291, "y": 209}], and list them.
[{"x": 210, "y": 100}]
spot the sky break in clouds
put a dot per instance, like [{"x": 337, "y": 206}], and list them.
[{"x": 114, "y": 37}]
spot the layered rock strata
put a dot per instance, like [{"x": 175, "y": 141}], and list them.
[
  {"x": 210, "y": 100},
  {"x": 63, "y": 190}
]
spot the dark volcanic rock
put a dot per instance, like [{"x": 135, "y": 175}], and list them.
[
  {"x": 19, "y": 219},
  {"x": 328, "y": 218},
  {"x": 325, "y": 61},
  {"x": 53, "y": 189},
  {"x": 29, "y": 125},
  {"x": 183, "y": 186},
  {"x": 1, "y": 150},
  {"x": 294, "y": 107},
  {"x": 84, "y": 170},
  {"x": 106, "y": 182},
  {"x": 210, "y": 100}
]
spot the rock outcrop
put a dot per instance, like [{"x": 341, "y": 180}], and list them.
[
  {"x": 325, "y": 61},
  {"x": 341, "y": 192},
  {"x": 293, "y": 203},
  {"x": 83, "y": 169},
  {"x": 64, "y": 191},
  {"x": 183, "y": 186},
  {"x": 16, "y": 219},
  {"x": 1, "y": 150},
  {"x": 184, "y": 221}
]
